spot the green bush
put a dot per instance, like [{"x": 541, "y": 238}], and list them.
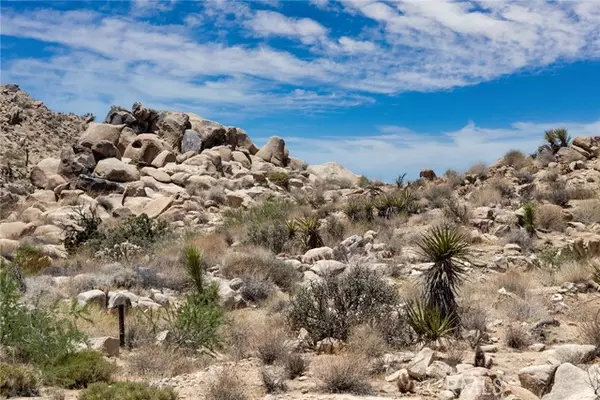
[
  {"x": 78, "y": 370},
  {"x": 307, "y": 230},
  {"x": 140, "y": 230},
  {"x": 17, "y": 380},
  {"x": 36, "y": 335},
  {"x": 273, "y": 235},
  {"x": 85, "y": 226},
  {"x": 281, "y": 179},
  {"x": 31, "y": 260},
  {"x": 428, "y": 323},
  {"x": 331, "y": 307},
  {"x": 198, "y": 319},
  {"x": 126, "y": 391}
]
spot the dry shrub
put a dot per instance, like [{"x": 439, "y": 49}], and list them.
[
  {"x": 159, "y": 362},
  {"x": 366, "y": 341},
  {"x": 437, "y": 194},
  {"x": 516, "y": 337},
  {"x": 479, "y": 170},
  {"x": 573, "y": 271},
  {"x": 587, "y": 212},
  {"x": 514, "y": 282},
  {"x": 520, "y": 237},
  {"x": 556, "y": 193},
  {"x": 515, "y": 159},
  {"x": 240, "y": 331},
  {"x": 456, "y": 352},
  {"x": 259, "y": 264},
  {"x": 295, "y": 364},
  {"x": 486, "y": 196},
  {"x": 344, "y": 374},
  {"x": 581, "y": 193},
  {"x": 590, "y": 327},
  {"x": 453, "y": 178},
  {"x": 226, "y": 386},
  {"x": 474, "y": 316},
  {"x": 551, "y": 217},
  {"x": 270, "y": 344},
  {"x": 524, "y": 310},
  {"x": 503, "y": 186},
  {"x": 273, "y": 379},
  {"x": 544, "y": 158},
  {"x": 217, "y": 195}
]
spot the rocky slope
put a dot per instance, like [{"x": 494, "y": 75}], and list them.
[{"x": 189, "y": 172}]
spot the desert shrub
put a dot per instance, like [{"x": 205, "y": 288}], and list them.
[
  {"x": 479, "y": 170},
  {"x": 556, "y": 193},
  {"x": 295, "y": 364},
  {"x": 590, "y": 329},
  {"x": 573, "y": 271},
  {"x": 486, "y": 196},
  {"x": 226, "y": 387},
  {"x": 455, "y": 353},
  {"x": 281, "y": 179},
  {"x": 36, "y": 335},
  {"x": 255, "y": 291},
  {"x": 457, "y": 212},
  {"x": 428, "y": 323},
  {"x": 523, "y": 177},
  {"x": 198, "y": 319},
  {"x": 544, "y": 157},
  {"x": 84, "y": 226},
  {"x": 78, "y": 370},
  {"x": 514, "y": 282},
  {"x": 331, "y": 307},
  {"x": 453, "y": 178},
  {"x": 528, "y": 220},
  {"x": 17, "y": 380},
  {"x": 140, "y": 230},
  {"x": 344, "y": 374},
  {"x": 159, "y": 362},
  {"x": 587, "y": 212},
  {"x": 437, "y": 195},
  {"x": 398, "y": 202},
  {"x": 367, "y": 341},
  {"x": 516, "y": 337},
  {"x": 524, "y": 310},
  {"x": 473, "y": 317},
  {"x": 261, "y": 265},
  {"x": 272, "y": 236},
  {"x": 555, "y": 139},
  {"x": 31, "y": 260},
  {"x": 273, "y": 380},
  {"x": 503, "y": 186},
  {"x": 335, "y": 229},
  {"x": 126, "y": 391},
  {"x": 515, "y": 159},
  {"x": 550, "y": 216},
  {"x": 554, "y": 257},
  {"x": 271, "y": 344}
]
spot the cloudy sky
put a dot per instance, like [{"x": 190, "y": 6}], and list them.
[{"x": 381, "y": 87}]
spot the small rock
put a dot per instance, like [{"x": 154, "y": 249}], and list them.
[
  {"x": 107, "y": 345},
  {"x": 418, "y": 366}
]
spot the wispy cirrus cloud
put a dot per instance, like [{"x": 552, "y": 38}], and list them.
[{"x": 222, "y": 53}]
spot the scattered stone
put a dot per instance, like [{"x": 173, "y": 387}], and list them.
[
  {"x": 418, "y": 366},
  {"x": 107, "y": 345},
  {"x": 537, "y": 378}
]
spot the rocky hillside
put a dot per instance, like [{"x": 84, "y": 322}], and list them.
[{"x": 315, "y": 269}]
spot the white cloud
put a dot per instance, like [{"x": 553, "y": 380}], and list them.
[
  {"x": 395, "y": 150},
  {"x": 269, "y": 23}
]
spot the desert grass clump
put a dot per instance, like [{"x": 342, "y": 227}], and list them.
[
  {"x": 295, "y": 364},
  {"x": 78, "y": 370},
  {"x": 486, "y": 196},
  {"x": 453, "y": 178},
  {"x": 515, "y": 159},
  {"x": 590, "y": 329},
  {"x": 31, "y": 260},
  {"x": 479, "y": 170},
  {"x": 226, "y": 386},
  {"x": 18, "y": 380},
  {"x": 514, "y": 282},
  {"x": 524, "y": 310},
  {"x": 437, "y": 194},
  {"x": 456, "y": 211},
  {"x": 474, "y": 316},
  {"x": 273, "y": 380},
  {"x": 529, "y": 218},
  {"x": 550, "y": 217},
  {"x": 447, "y": 248},
  {"x": 503, "y": 186},
  {"x": 158, "y": 362},
  {"x": 344, "y": 374},
  {"x": 516, "y": 337},
  {"x": 587, "y": 212},
  {"x": 574, "y": 272},
  {"x": 271, "y": 345},
  {"x": 281, "y": 179},
  {"x": 556, "y": 193},
  {"x": 128, "y": 391},
  {"x": 366, "y": 341}
]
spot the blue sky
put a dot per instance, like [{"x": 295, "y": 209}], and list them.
[{"x": 381, "y": 87}]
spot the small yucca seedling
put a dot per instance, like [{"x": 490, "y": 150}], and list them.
[
  {"x": 292, "y": 228},
  {"x": 400, "y": 181},
  {"x": 353, "y": 210},
  {"x": 529, "y": 218},
  {"x": 308, "y": 228},
  {"x": 428, "y": 323},
  {"x": 368, "y": 209},
  {"x": 195, "y": 266}
]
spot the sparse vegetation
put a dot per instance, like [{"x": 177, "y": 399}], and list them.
[
  {"x": 515, "y": 159},
  {"x": 529, "y": 218},
  {"x": 457, "y": 212},
  {"x": 226, "y": 386},
  {"x": 295, "y": 364},
  {"x": 273, "y": 380},
  {"x": 344, "y": 374},
  {"x": 550, "y": 217},
  {"x": 428, "y": 323},
  {"x": 281, "y": 179},
  {"x": 590, "y": 329},
  {"x": 18, "y": 380},
  {"x": 78, "y": 370},
  {"x": 587, "y": 212},
  {"x": 516, "y": 337},
  {"x": 31, "y": 260},
  {"x": 126, "y": 390}
]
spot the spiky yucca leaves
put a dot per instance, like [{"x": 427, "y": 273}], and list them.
[
  {"x": 401, "y": 201},
  {"x": 428, "y": 323},
  {"x": 400, "y": 181},
  {"x": 353, "y": 210},
  {"x": 308, "y": 228},
  {"x": 529, "y": 218},
  {"x": 195, "y": 266},
  {"x": 292, "y": 228},
  {"x": 447, "y": 248},
  {"x": 557, "y": 138}
]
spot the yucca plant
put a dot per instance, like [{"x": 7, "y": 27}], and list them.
[
  {"x": 372, "y": 190},
  {"x": 368, "y": 210},
  {"x": 428, "y": 323},
  {"x": 556, "y": 138},
  {"x": 400, "y": 181},
  {"x": 353, "y": 210},
  {"x": 529, "y": 218},
  {"x": 195, "y": 266},
  {"x": 308, "y": 227},
  {"x": 447, "y": 248},
  {"x": 292, "y": 228}
]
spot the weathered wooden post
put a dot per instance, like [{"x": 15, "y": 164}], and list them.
[{"x": 122, "y": 325}]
